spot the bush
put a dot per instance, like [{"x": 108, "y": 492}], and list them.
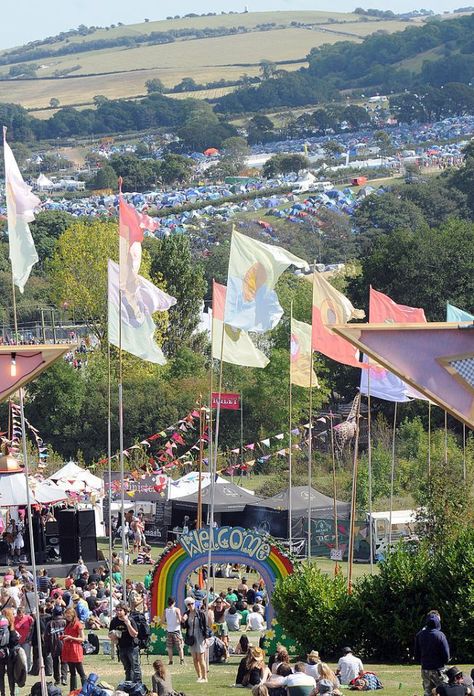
[{"x": 312, "y": 608}]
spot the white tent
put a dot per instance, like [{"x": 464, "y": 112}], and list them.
[
  {"x": 43, "y": 183},
  {"x": 72, "y": 478},
  {"x": 189, "y": 484},
  {"x": 13, "y": 491}
]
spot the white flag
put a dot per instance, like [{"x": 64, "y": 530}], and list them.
[{"x": 21, "y": 203}]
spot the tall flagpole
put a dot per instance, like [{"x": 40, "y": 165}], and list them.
[
  {"x": 201, "y": 455},
  {"x": 353, "y": 501},
  {"x": 334, "y": 494},
  {"x": 310, "y": 449},
  {"x": 392, "y": 478},
  {"x": 464, "y": 468},
  {"x": 290, "y": 444},
  {"x": 109, "y": 465},
  {"x": 446, "y": 438},
  {"x": 120, "y": 408},
  {"x": 210, "y": 510},
  {"x": 41, "y": 668},
  {"x": 369, "y": 466}
]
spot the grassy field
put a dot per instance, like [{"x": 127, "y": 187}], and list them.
[{"x": 204, "y": 60}]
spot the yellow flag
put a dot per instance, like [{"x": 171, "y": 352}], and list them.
[{"x": 300, "y": 355}]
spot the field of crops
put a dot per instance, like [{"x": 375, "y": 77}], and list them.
[{"x": 122, "y": 72}]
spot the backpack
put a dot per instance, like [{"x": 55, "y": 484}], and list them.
[
  {"x": 52, "y": 690},
  {"x": 132, "y": 689},
  {"x": 4, "y": 633},
  {"x": 18, "y": 660},
  {"x": 93, "y": 639},
  {"x": 144, "y": 633}
]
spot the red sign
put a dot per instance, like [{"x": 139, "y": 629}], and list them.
[{"x": 228, "y": 400}]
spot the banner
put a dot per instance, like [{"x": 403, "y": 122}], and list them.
[{"x": 229, "y": 401}]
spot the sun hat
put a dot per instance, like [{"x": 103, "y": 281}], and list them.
[
  {"x": 257, "y": 653},
  {"x": 313, "y": 655}
]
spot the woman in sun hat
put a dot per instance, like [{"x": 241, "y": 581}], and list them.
[{"x": 313, "y": 662}]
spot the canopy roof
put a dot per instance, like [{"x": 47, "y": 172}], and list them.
[
  {"x": 13, "y": 491},
  {"x": 320, "y": 503},
  {"x": 73, "y": 478},
  {"x": 189, "y": 483},
  {"x": 227, "y": 497},
  {"x": 26, "y": 363}
]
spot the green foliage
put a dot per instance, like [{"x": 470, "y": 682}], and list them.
[
  {"x": 284, "y": 164},
  {"x": 154, "y": 85},
  {"x": 311, "y": 607},
  {"x": 105, "y": 178},
  {"x": 137, "y": 174}
]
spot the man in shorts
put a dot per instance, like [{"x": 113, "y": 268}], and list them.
[{"x": 174, "y": 639}]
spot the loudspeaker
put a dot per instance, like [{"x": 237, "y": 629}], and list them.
[
  {"x": 86, "y": 523},
  {"x": 68, "y": 536},
  {"x": 89, "y": 549},
  {"x": 87, "y": 535}
]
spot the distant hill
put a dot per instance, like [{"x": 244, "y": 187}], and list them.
[
  {"x": 434, "y": 54},
  {"x": 215, "y": 51}
]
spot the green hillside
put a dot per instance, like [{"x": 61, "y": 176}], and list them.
[{"x": 74, "y": 69}]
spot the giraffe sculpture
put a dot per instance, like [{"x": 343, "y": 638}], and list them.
[{"x": 345, "y": 432}]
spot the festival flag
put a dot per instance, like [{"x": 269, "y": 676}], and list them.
[
  {"x": 455, "y": 314},
  {"x": 138, "y": 328},
  {"x": 301, "y": 355},
  {"x": 21, "y": 203},
  {"x": 237, "y": 347},
  {"x": 332, "y": 307},
  {"x": 384, "y": 384},
  {"x": 383, "y": 310},
  {"x": 254, "y": 268}
]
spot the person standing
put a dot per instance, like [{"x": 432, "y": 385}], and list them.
[
  {"x": 24, "y": 626},
  {"x": 172, "y": 618},
  {"x": 432, "y": 652},
  {"x": 53, "y": 644},
  {"x": 195, "y": 622},
  {"x": 73, "y": 653},
  {"x": 123, "y": 632}
]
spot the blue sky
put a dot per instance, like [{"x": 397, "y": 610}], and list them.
[{"x": 26, "y": 20}]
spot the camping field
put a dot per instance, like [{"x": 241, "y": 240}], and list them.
[{"x": 122, "y": 71}]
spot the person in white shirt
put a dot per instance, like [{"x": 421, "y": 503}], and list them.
[
  {"x": 172, "y": 619},
  {"x": 255, "y": 621},
  {"x": 349, "y": 666},
  {"x": 300, "y": 679},
  {"x": 312, "y": 664}
]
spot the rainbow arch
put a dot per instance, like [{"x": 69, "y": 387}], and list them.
[{"x": 174, "y": 567}]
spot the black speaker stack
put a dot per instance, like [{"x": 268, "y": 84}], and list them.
[{"x": 77, "y": 536}]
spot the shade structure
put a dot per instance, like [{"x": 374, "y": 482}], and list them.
[
  {"x": 435, "y": 358},
  {"x": 21, "y": 364},
  {"x": 188, "y": 484},
  {"x": 227, "y": 498},
  {"x": 13, "y": 491},
  {"x": 72, "y": 477},
  {"x": 321, "y": 505}
]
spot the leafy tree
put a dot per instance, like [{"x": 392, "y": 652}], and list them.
[
  {"x": 54, "y": 405},
  {"x": 137, "y": 175},
  {"x": 267, "y": 69},
  {"x": 175, "y": 169},
  {"x": 284, "y": 164},
  {"x": 356, "y": 116},
  {"x": 99, "y": 99},
  {"x": 234, "y": 153},
  {"x": 105, "y": 178},
  {"x": 154, "y": 85},
  {"x": 436, "y": 200},
  {"x": 171, "y": 259},
  {"x": 46, "y": 230},
  {"x": 54, "y": 102},
  {"x": 421, "y": 267}
]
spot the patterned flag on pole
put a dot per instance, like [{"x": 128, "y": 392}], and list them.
[
  {"x": 455, "y": 314},
  {"x": 21, "y": 203},
  {"x": 237, "y": 346},
  {"x": 138, "y": 328},
  {"x": 332, "y": 307},
  {"x": 300, "y": 355},
  {"x": 384, "y": 384},
  {"x": 254, "y": 268}
]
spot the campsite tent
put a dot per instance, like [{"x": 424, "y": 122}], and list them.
[
  {"x": 322, "y": 506},
  {"x": 230, "y": 503},
  {"x": 86, "y": 490}
]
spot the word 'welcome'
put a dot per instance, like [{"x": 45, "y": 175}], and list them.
[{"x": 232, "y": 539}]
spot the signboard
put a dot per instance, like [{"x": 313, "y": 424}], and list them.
[
  {"x": 336, "y": 555},
  {"x": 229, "y": 400}
]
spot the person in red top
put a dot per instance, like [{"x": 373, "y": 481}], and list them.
[
  {"x": 23, "y": 624},
  {"x": 72, "y": 652}
]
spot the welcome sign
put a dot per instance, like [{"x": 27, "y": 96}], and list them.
[{"x": 231, "y": 539}]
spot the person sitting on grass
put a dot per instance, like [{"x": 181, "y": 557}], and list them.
[
  {"x": 275, "y": 684},
  {"x": 299, "y": 683},
  {"x": 455, "y": 685},
  {"x": 255, "y": 621},
  {"x": 281, "y": 657},
  {"x": 242, "y": 646},
  {"x": 252, "y": 669},
  {"x": 161, "y": 680}
]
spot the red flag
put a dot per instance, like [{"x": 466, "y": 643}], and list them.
[{"x": 383, "y": 310}]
